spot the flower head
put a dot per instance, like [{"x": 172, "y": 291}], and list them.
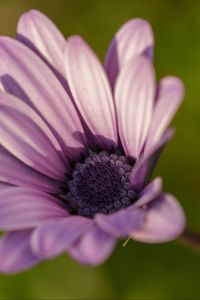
[{"x": 79, "y": 143}]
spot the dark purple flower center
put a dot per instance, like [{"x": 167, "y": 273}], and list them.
[{"x": 100, "y": 185}]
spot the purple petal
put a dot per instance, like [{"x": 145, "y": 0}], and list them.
[
  {"x": 90, "y": 89},
  {"x": 121, "y": 223},
  {"x": 26, "y": 76},
  {"x": 22, "y": 208},
  {"x": 28, "y": 138},
  {"x": 22, "y": 175},
  {"x": 135, "y": 92},
  {"x": 170, "y": 96},
  {"x": 40, "y": 34},
  {"x": 144, "y": 167},
  {"x": 94, "y": 247},
  {"x": 135, "y": 37},
  {"x": 164, "y": 222},
  {"x": 4, "y": 185},
  {"x": 150, "y": 193},
  {"x": 15, "y": 252},
  {"x": 54, "y": 236}
]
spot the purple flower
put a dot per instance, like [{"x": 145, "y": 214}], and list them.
[{"x": 79, "y": 143}]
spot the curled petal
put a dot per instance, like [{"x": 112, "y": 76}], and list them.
[
  {"x": 94, "y": 247},
  {"x": 149, "y": 193},
  {"x": 121, "y": 223},
  {"x": 164, "y": 222}
]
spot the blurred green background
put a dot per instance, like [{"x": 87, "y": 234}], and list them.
[{"x": 138, "y": 271}]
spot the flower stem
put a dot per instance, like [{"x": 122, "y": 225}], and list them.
[{"x": 191, "y": 239}]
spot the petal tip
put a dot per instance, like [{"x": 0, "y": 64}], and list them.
[{"x": 175, "y": 83}]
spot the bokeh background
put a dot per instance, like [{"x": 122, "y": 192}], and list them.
[{"x": 138, "y": 271}]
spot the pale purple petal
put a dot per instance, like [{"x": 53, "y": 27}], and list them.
[
  {"x": 145, "y": 166},
  {"x": 135, "y": 37},
  {"x": 25, "y": 135},
  {"x": 54, "y": 236},
  {"x": 26, "y": 76},
  {"x": 164, "y": 222},
  {"x": 22, "y": 208},
  {"x": 149, "y": 193},
  {"x": 134, "y": 93},
  {"x": 90, "y": 89},
  {"x": 94, "y": 247},
  {"x": 15, "y": 252},
  {"x": 4, "y": 185},
  {"x": 14, "y": 172},
  {"x": 40, "y": 34},
  {"x": 121, "y": 223},
  {"x": 169, "y": 98}
]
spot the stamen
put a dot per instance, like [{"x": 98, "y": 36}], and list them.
[{"x": 100, "y": 185}]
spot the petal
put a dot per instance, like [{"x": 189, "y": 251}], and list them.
[
  {"x": 54, "y": 236},
  {"x": 14, "y": 172},
  {"x": 150, "y": 193},
  {"x": 15, "y": 252},
  {"x": 22, "y": 208},
  {"x": 94, "y": 247},
  {"x": 26, "y": 76},
  {"x": 4, "y": 185},
  {"x": 164, "y": 222},
  {"x": 121, "y": 223},
  {"x": 144, "y": 167},
  {"x": 40, "y": 34},
  {"x": 134, "y": 38},
  {"x": 170, "y": 96},
  {"x": 90, "y": 89},
  {"x": 135, "y": 92},
  {"x": 27, "y": 137}
]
